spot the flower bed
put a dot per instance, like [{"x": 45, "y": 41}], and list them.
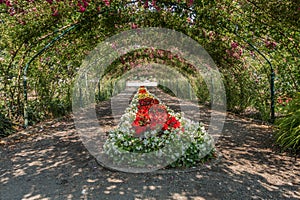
[{"x": 149, "y": 126}]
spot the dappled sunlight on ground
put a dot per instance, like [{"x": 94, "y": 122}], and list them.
[{"x": 49, "y": 161}]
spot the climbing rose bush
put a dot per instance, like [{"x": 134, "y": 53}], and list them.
[{"x": 17, "y": 6}]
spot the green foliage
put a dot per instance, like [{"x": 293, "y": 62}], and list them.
[
  {"x": 5, "y": 126},
  {"x": 288, "y": 134},
  {"x": 272, "y": 26}
]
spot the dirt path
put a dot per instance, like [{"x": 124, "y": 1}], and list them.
[{"x": 49, "y": 161}]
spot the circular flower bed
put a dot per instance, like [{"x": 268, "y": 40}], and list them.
[{"x": 148, "y": 125}]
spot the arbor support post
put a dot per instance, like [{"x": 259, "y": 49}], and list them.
[
  {"x": 27, "y": 66},
  {"x": 272, "y": 76}
]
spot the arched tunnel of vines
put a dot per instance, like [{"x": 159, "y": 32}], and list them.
[
  {"x": 253, "y": 44},
  {"x": 246, "y": 73}
]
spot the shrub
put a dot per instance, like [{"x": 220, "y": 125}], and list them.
[
  {"x": 288, "y": 134},
  {"x": 6, "y": 126}
]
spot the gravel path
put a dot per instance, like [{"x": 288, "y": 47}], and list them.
[{"x": 48, "y": 161}]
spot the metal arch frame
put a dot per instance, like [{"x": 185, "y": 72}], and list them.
[
  {"x": 28, "y": 64},
  {"x": 39, "y": 53},
  {"x": 272, "y": 75},
  {"x": 272, "y": 86}
]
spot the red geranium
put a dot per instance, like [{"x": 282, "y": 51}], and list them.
[
  {"x": 142, "y": 91},
  {"x": 151, "y": 115},
  {"x": 171, "y": 122},
  {"x": 158, "y": 116},
  {"x": 146, "y": 101},
  {"x": 158, "y": 113},
  {"x": 155, "y": 101}
]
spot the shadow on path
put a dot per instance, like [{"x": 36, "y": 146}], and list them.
[{"x": 49, "y": 161}]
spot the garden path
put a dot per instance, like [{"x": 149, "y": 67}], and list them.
[{"x": 49, "y": 161}]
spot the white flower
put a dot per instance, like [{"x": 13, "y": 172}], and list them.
[{"x": 138, "y": 148}]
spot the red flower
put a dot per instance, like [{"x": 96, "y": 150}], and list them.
[
  {"x": 151, "y": 115},
  {"x": 55, "y": 12},
  {"x": 142, "y": 91},
  {"x": 173, "y": 123},
  {"x": 81, "y": 8},
  {"x": 154, "y": 126},
  {"x": 85, "y": 3},
  {"x": 155, "y": 101},
  {"x": 158, "y": 114},
  {"x": 146, "y": 5},
  {"x": 145, "y": 101},
  {"x": 234, "y": 45},
  {"x": 165, "y": 127},
  {"x": 107, "y": 3},
  {"x": 140, "y": 129},
  {"x": 134, "y": 26},
  {"x": 8, "y": 4}
]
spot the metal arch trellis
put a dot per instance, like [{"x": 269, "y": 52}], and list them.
[
  {"x": 272, "y": 75},
  {"x": 272, "y": 88},
  {"x": 38, "y": 54},
  {"x": 28, "y": 64},
  {"x": 42, "y": 51}
]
